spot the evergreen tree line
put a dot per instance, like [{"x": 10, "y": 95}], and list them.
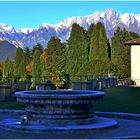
[{"x": 84, "y": 53}]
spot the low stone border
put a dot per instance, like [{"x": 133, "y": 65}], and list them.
[
  {"x": 12, "y": 111},
  {"x": 120, "y": 115}
]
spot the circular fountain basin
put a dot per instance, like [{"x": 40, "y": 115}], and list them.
[
  {"x": 60, "y": 110},
  {"x": 59, "y": 104}
]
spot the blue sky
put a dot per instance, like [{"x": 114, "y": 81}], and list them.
[{"x": 32, "y": 14}]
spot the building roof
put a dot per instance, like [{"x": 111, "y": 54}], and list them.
[{"x": 133, "y": 42}]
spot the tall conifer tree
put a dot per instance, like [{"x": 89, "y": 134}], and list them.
[
  {"x": 8, "y": 69},
  {"x": 38, "y": 47},
  {"x": 28, "y": 55},
  {"x": 19, "y": 64},
  {"x": 36, "y": 67},
  {"x": 99, "y": 49},
  {"x": 55, "y": 55},
  {"x": 77, "y": 50},
  {"x": 120, "y": 54}
]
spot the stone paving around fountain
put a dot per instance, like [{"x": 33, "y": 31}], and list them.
[{"x": 127, "y": 128}]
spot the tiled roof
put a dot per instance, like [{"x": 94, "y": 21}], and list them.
[{"x": 133, "y": 42}]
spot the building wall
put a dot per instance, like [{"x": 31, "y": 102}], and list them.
[{"x": 135, "y": 64}]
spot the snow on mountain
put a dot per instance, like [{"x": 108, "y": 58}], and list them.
[
  {"x": 26, "y": 30},
  {"x": 7, "y": 28},
  {"x": 30, "y": 37}
]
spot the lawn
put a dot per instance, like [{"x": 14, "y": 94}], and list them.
[
  {"x": 117, "y": 99},
  {"x": 11, "y": 104},
  {"x": 120, "y": 99}
]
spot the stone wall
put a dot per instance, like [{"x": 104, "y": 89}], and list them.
[
  {"x": 96, "y": 84},
  {"x": 5, "y": 92}
]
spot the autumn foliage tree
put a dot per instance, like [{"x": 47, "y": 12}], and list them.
[
  {"x": 29, "y": 69},
  {"x": 43, "y": 64},
  {"x": 43, "y": 56}
]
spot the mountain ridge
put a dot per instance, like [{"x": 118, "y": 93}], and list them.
[
  {"x": 30, "y": 37},
  {"x": 7, "y": 50}
]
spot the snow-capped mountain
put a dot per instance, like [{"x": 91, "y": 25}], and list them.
[{"x": 30, "y": 37}]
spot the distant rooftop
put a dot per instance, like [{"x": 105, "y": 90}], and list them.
[{"x": 133, "y": 42}]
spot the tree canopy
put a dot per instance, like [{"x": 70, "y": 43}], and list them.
[
  {"x": 36, "y": 67},
  {"x": 99, "y": 49},
  {"x": 19, "y": 64},
  {"x": 8, "y": 68},
  {"x": 76, "y": 50},
  {"x": 120, "y": 54}
]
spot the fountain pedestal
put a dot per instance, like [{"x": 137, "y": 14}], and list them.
[{"x": 55, "y": 105}]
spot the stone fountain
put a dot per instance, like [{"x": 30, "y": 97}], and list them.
[{"x": 60, "y": 110}]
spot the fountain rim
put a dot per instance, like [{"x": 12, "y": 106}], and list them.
[{"x": 60, "y": 94}]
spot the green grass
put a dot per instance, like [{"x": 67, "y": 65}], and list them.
[
  {"x": 120, "y": 99},
  {"x": 117, "y": 99},
  {"x": 11, "y": 104}
]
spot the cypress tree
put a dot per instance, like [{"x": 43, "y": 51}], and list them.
[
  {"x": 19, "y": 64},
  {"x": 77, "y": 50},
  {"x": 90, "y": 30},
  {"x": 39, "y": 47},
  {"x": 99, "y": 50},
  {"x": 28, "y": 55},
  {"x": 36, "y": 67},
  {"x": 94, "y": 44},
  {"x": 89, "y": 33},
  {"x": 8, "y": 69},
  {"x": 43, "y": 65}
]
